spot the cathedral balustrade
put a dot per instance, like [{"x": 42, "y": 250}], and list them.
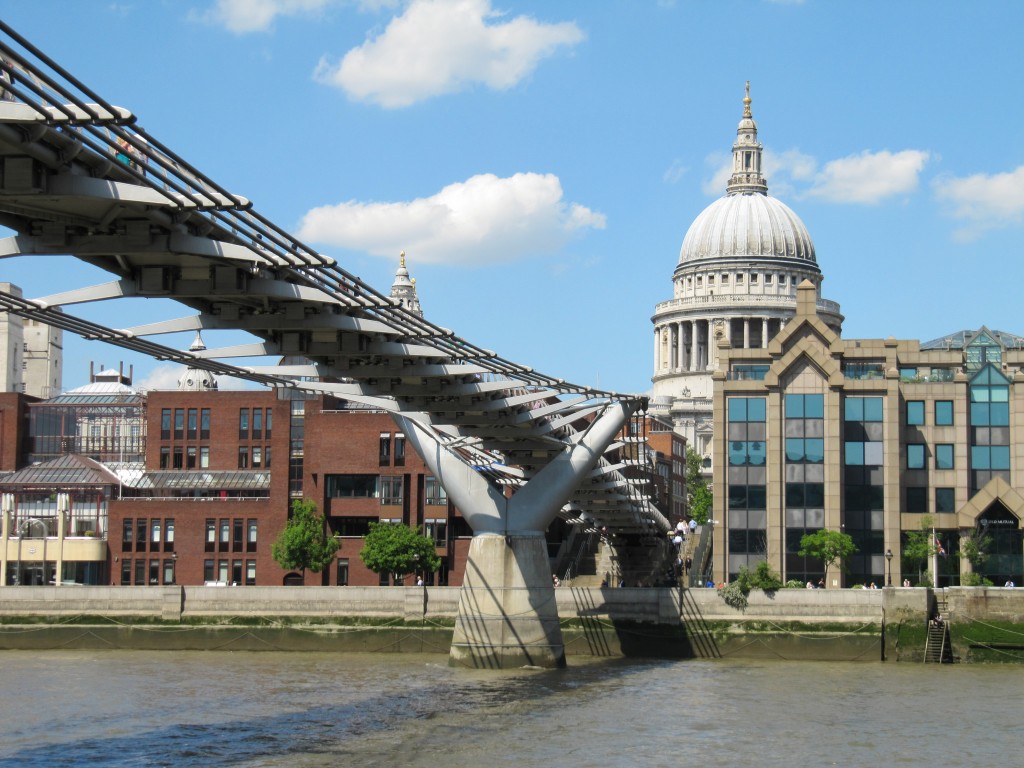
[{"x": 787, "y": 301}]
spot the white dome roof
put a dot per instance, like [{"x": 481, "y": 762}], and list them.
[{"x": 747, "y": 226}]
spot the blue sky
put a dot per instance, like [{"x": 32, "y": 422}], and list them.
[{"x": 540, "y": 162}]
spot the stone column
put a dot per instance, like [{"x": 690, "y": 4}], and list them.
[
  {"x": 657, "y": 350},
  {"x": 746, "y": 333},
  {"x": 764, "y": 333},
  {"x": 694, "y": 359}
]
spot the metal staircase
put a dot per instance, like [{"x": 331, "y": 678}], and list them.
[{"x": 937, "y": 648}]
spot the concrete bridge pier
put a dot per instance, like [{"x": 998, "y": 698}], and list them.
[{"x": 507, "y": 613}]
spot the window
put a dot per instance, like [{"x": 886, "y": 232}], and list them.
[
  {"x": 391, "y": 490},
  {"x": 193, "y": 418},
  {"x": 945, "y": 500},
  {"x": 190, "y": 457},
  {"x": 211, "y": 534},
  {"x": 257, "y": 455},
  {"x": 169, "y": 534},
  {"x": 204, "y": 456},
  {"x": 243, "y": 457},
  {"x": 250, "y": 540},
  {"x": 141, "y": 532},
  {"x": 943, "y": 413},
  {"x": 257, "y": 423},
  {"x": 236, "y": 541},
  {"x": 385, "y": 449},
  {"x": 433, "y": 492},
  {"x": 179, "y": 423},
  {"x": 169, "y": 571},
  {"x": 140, "y": 573},
  {"x": 165, "y": 423},
  {"x": 154, "y": 539},
  {"x": 236, "y": 571},
  {"x": 165, "y": 457},
  {"x": 243, "y": 424},
  {"x": 269, "y": 422},
  {"x": 126, "y": 572},
  {"x": 342, "y": 571},
  {"x": 915, "y": 412},
  {"x": 126, "y": 535},
  {"x": 208, "y": 572},
  {"x": 204, "y": 424},
  {"x": 250, "y": 573},
  {"x": 266, "y": 456},
  {"x": 178, "y": 458},
  {"x": 436, "y": 528},
  {"x": 908, "y": 374},
  {"x": 225, "y": 536},
  {"x": 222, "y": 571},
  {"x": 915, "y": 456},
  {"x": 944, "y": 456},
  {"x": 399, "y": 450},
  {"x": 351, "y": 486},
  {"x": 917, "y": 500}
]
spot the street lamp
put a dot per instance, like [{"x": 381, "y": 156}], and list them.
[{"x": 888, "y": 566}]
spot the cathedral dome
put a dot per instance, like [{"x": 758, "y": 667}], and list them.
[{"x": 747, "y": 226}]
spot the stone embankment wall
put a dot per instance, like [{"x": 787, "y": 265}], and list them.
[{"x": 834, "y": 624}]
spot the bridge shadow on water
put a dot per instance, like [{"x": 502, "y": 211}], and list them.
[
  {"x": 614, "y": 620},
  {"x": 437, "y": 696}
]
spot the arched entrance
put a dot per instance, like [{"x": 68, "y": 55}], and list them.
[{"x": 293, "y": 579}]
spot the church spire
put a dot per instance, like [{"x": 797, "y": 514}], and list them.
[{"x": 746, "y": 156}]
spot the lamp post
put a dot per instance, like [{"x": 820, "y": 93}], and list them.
[{"x": 888, "y": 566}]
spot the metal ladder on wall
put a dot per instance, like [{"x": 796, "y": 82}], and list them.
[{"x": 937, "y": 646}]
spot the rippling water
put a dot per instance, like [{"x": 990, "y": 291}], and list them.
[{"x": 125, "y": 708}]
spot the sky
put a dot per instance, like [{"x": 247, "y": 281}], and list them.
[{"x": 541, "y": 162}]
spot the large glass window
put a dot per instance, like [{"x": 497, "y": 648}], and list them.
[
  {"x": 433, "y": 492},
  {"x": 193, "y": 419},
  {"x": 944, "y": 456},
  {"x": 747, "y": 482},
  {"x": 989, "y": 421},
  {"x": 385, "y": 449},
  {"x": 943, "y": 413},
  {"x": 915, "y": 456},
  {"x": 243, "y": 424},
  {"x": 352, "y": 486},
  {"x": 391, "y": 490},
  {"x": 179, "y": 423},
  {"x": 915, "y": 412},
  {"x": 945, "y": 500},
  {"x": 165, "y": 423}
]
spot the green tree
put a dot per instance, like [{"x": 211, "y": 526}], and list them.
[
  {"x": 828, "y": 546},
  {"x": 975, "y": 549},
  {"x": 699, "y": 499},
  {"x": 304, "y": 542},
  {"x": 918, "y": 546},
  {"x": 397, "y": 548}
]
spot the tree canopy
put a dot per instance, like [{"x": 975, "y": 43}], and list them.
[
  {"x": 699, "y": 498},
  {"x": 304, "y": 543},
  {"x": 397, "y": 548},
  {"x": 828, "y": 546},
  {"x": 918, "y": 546}
]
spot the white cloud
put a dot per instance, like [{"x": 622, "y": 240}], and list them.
[
  {"x": 445, "y": 46},
  {"x": 244, "y": 16},
  {"x": 674, "y": 172},
  {"x": 869, "y": 177},
  {"x": 162, "y": 377},
  {"x": 984, "y": 201},
  {"x": 481, "y": 220},
  {"x": 721, "y": 165}
]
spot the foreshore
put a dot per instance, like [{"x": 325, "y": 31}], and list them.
[{"x": 986, "y": 624}]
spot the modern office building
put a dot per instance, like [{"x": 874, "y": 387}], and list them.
[
  {"x": 869, "y": 436},
  {"x": 740, "y": 263}
]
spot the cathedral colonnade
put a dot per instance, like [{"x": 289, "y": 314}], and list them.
[{"x": 682, "y": 345}]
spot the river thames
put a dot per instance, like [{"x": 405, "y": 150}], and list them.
[{"x": 136, "y": 708}]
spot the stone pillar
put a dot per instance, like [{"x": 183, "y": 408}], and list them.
[
  {"x": 6, "y": 510},
  {"x": 746, "y": 333},
  {"x": 694, "y": 360},
  {"x": 764, "y": 333},
  {"x": 657, "y": 350},
  {"x": 507, "y": 614}
]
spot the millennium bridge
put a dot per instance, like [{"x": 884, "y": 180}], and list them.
[{"x": 513, "y": 448}]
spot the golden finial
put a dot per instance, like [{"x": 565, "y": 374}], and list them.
[
  {"x": 746, "y": 102},
  {"x": 401, "y": 258}
]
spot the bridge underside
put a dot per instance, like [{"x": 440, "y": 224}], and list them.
[{"x": 79, "y": 178}]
